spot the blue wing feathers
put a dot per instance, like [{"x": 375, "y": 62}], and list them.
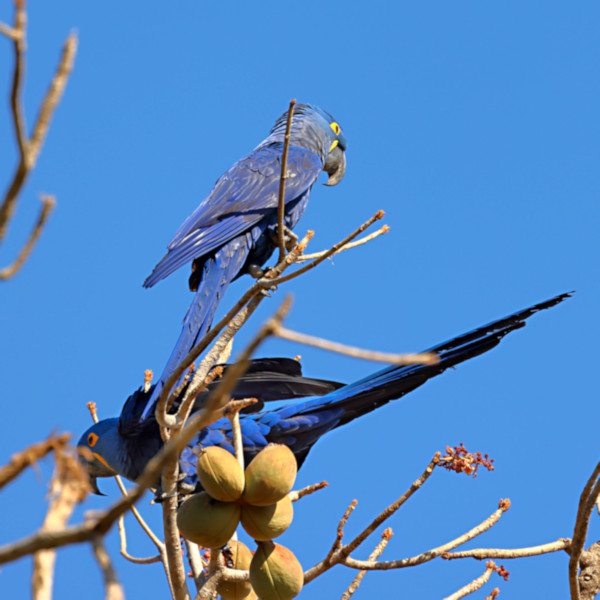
[{"x": 240, "y": 199}]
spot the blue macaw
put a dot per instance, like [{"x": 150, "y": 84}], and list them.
[
  {"x": 124, "y": 445},
  {"x": 233, "y": 230}
]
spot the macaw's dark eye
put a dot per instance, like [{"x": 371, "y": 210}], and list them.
[
  {"x": 92, "y": 439},
  {"x": 336, "y": 128}
]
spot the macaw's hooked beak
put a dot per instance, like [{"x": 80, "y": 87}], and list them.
[
  {"x": 94, "y": 485},
  {"x": 335, "y": 166}
]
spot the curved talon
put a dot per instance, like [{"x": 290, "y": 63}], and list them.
[
  {"x": 289, "y": 237},
  {"x": 256, "y": 271}
]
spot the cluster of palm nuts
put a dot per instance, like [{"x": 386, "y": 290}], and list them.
[{"x": 258, "y": 498}]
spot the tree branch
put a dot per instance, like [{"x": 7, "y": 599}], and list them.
[
  {"x": 20, "y": 461},
  {"x": 385, "y": 538},
  {"x": 359, "y": 242},
  {"x": 282, "y": 178},
  {"x": 48, "y": 204},
  {"x": 266, "y": 283},
  {"x": 423, "y": 358},
  {"x": 504, "y": 553}
]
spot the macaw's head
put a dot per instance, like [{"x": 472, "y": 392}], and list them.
[
  {"x": 315, "y": 129},
  {"x": 100, "y": 448}
]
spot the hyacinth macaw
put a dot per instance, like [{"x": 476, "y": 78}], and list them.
[
  {"x": 124, "y": 445},
  {"x": 233, "y": 230}
]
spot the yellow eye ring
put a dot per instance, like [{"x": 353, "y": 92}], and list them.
[
  {"x": 92, "y": 439},
  {"x": 336, "y": 128}
]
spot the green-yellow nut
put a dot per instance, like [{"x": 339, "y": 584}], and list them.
[
  {"x": 275, "y": 573},
  {"x": 264, "y": 523},
  {"x": 220, "y": 474},
  {"x": 239, "y": 558},
  {"x": 207, "y": 522},
  {"x": 270, "y": 475}
]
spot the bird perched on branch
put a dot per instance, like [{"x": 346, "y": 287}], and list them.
[
  {"x": 234, "y": 229},
  {"x": 124, "y": 445}
]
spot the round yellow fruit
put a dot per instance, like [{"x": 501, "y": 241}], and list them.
[
  {"x": 238, "y": 557},
  {"x": 275, "y": 573},
  {"x": 270, "y": 475},
  {"x": 206, "y": 521},
  {"x": 220, "y": 474},
  {"x": 267, "y": 522}
]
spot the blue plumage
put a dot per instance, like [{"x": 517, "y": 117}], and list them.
[
  {"x": 125, "y": 445},
  {"x": 234, "y": 227}
]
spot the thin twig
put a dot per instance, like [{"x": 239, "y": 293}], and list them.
[
  {"x": 123, "y": 549},
  {"x": 474, "y": 585},
  {"x": 385, "y": 538},
  {"x": 113, "y": 588},
  {"x": 295, "y": 495},
  {"x": 266, "y": 283},
  {"x": 25, "y": 458},
  {"x": 433, "y": 553},
  {"x": 504, "y": 553},
  {"x": 337, "y": 552},
  {"x": 233, "y": 414},
  {"x": 52, "y": 98},
  {"x": 48, "y": 204},
  {"x": 10, "y": 32},
  {"x": 196, "y": 564},
  {"x": 423, "y": 358},
  {"x": 282, "y": 178},
  {"x": 391, "y": 509},
  {"x": 337, "y": 543},
  {"x": 29, "y": 149},
  {"x": 359, "y": 242}
]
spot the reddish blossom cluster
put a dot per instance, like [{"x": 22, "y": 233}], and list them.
[{"x": 460, "y": 460}]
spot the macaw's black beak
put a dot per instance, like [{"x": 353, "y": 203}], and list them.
[
  {"x": 94, "y": 485},
  {"x": 335, "y": 166}
]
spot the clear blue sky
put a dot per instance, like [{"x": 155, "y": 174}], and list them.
[{"x": 474, "y": 125}]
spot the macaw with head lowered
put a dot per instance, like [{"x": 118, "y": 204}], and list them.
[
  {"x": 233, "y": 230},
  {"x": 124, "y": 445}
]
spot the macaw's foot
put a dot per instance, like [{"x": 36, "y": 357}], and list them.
[
  {"x": 289, "y": 237},
  {"x": 256, "y": 271}
]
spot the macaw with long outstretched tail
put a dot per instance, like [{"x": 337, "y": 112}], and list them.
[
  {"x": 124, "y": 445},
  {"x": 234, "y": 229}
]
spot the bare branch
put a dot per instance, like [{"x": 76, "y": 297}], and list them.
[
  {"x": 16, "y": 103},
  {"x": 20, "y": 461},
  {"x": 29, "y": 149},
  {"x": 134, "y": 559},
  {"x": 282, "y": 178},
  {"x": 423, "y": 358},
  {"x": 385, "y": 538},
  {"x": 10, "y": 32},
  {"x": 337, "y": 552},
  {"x": 233, "y": 414},
  {"x": 196, "y": 564},
  {"x": 295, "y": 495},
  {"x": 173, "y": 549},
  {"x": 359, "y": 242},
  {"x": 48, "y": 204},
  {"x": 475, "y": 584},
  {"x": 266, "y": 283},
  {"x": 433, "y": 553},
  {"x": 113, "y": 588},
  {"x": 52, "y": 98},
  {"x": 502, "y": 553}
]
